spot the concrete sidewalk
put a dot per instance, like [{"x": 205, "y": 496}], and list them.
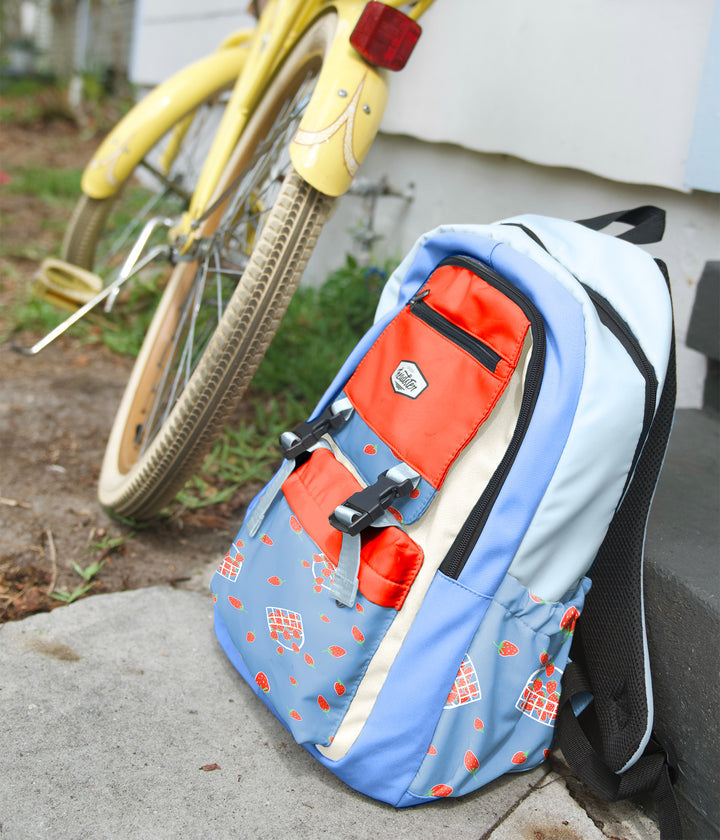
[{"x": 112, "y": 707}]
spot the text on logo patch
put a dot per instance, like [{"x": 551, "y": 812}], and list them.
[{"x": 407, "y": 379}]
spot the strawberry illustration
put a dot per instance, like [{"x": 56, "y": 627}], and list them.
[
  {"x": 275, "y": 581},
  {"x": 519, "y": 758},
  {"x": 293, "y": 681},
  {"x": 370, "y": 449},
  {"x": 440, "y": 790},
  {"x": 396, "y": 513},
  {"x": 472, "y": 765},
  {"x": 214, "y": 597},
  {"x": 294, "y": 714},
  {"x": 280, "y": 649},
  {"x": 506, "y": 648},
  {"x": 262, "y": 681},
  {"x": 250, "y": 636},
  {"x": 414, "y": 493},
  {"x": 549, "y": 669},
  {"x": 551, "y": 687},
  {"x": 336, "y": 651},
  {"x": 478, "y": 724},
  {"x": 295, "y": 525},
  {"x": 537, "y": 685},
  {"x": 547, "y": 753},
  {"x": 359, "y": 607},
  {"x": 324, "y": 618},
  {"x": 239, "y": 544},
  {"x": 323, "y": 703},
  {"x": 536, "y": 598},
  {"x": 306, "y": 564},
  {"x": 310, "y": 661},
  {"x": 236, "y": 602},
  {"x": 544, "y": 658},
  {"x": 358, "y": 634},
  {"x": 567, "y": 624},
  {"x": 339, "y": 688},
  {"x": 264, "y": 538}
]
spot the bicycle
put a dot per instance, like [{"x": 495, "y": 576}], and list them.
[{"x": 299, "y": 99}]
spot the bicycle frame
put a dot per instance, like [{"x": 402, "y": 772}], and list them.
[{"x": 335, "y": 133}]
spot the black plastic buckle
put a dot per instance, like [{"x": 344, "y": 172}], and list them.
[
  {"x": 309, "y": 433},
  {"x": 365, "y": 506}
]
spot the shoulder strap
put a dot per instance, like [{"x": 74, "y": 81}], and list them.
[{"x": 607, "y": 745}]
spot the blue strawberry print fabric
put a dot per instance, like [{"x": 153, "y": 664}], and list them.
[
  {"x": 306, "y": 653},
  {"x": 500, "y": 712}
]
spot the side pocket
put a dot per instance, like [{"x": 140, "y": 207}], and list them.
[{"x": 500, "y": 712}]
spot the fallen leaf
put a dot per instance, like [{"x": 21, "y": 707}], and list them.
[{"x": 208, "y": 767}]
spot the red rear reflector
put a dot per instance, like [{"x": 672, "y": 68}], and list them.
[{"x": 385, "y": 36}]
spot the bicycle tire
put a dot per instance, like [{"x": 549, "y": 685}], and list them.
[{"x": 138, "y": 481}]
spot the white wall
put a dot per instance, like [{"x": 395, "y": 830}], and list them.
[
  {"x": 453, "y": 184},
  {"x": 566, "y": 107}
]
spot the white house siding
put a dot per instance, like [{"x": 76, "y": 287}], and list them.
[{"x": 569, "y": 108}]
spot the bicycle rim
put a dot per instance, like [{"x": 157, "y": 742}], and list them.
[{"x": 221, "y": 309}]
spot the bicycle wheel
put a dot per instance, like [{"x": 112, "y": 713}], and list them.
[
  {"x": 221, "y": 309},
  {"x": 101, "y": 232}
]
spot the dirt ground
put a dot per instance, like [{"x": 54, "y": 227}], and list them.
[{"x": 55, "y": 414}]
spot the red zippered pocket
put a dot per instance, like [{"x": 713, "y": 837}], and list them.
[{"x": 436, "y": 372}]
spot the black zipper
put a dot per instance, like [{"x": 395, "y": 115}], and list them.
[
  {"x": 612, "y": 320},
  {"x": 470, "y": 532},
  {"x": 484, "y": 354}
]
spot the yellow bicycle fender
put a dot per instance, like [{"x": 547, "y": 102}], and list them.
[
  {"x": 342, "y": 117},
  {"x": 146, "y": 123}
]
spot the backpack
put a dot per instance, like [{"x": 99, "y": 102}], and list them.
[{"x": 444, "y": 576}]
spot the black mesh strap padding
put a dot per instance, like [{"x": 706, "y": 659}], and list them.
[{"x": 609, "y": 649}]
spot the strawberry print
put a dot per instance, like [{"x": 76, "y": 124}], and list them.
[
  {"x": 359, "y": 607},
  {"x": 236, "y": 602},
  {"x": 293, "y": 681},
  {"x": 466, "y": 688},
  {"x": 324, "y": 618},
  {"x": 323, "y": 703},
  {"x": 339, "y": 688},
  {"x": 275, "y": 581},
  {"x": 370, "y": 449},
  {"x": 544, "y": 658},
  {"x": 507, "y": 648},
  {"x": 358, "y": 634},
  {"x": 262, "y": 681},
  {"x": 336, "y": 651},
  {"x": 414, "y": 493},
  {"x": 519, "y": 758},
  {"x": 478, "y": 724},
  {"x": 539, "y": 699},
  {"x": 295, "y": 525},
  {"x": 230, "y": 566},
  {"x": 431, "y": 750},
  {"x": 440, "y": 790},
  {"x": 472, "y": 765},
  {"x": 567, "y": 624},
  {"x": 239, "y": 544},
  {"x": 295, "y": 715},
  {"x": 264, "y": 538},
  {"x": 396, "y": 513},
  {"x": 310, "y": 661},
  {"x": 250, "y": 637},
  {"x": 285, "y": 627}
]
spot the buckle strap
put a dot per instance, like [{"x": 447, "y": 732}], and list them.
[
  {"x": 368, "y": 505},
  {"x": 306, "y": 435}
]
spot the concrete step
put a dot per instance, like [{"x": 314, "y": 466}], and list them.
[{"x": 682, "y": 603}]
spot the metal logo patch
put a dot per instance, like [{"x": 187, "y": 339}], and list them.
[{"x": 407, "y": 379}]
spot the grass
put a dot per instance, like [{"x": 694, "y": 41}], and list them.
[{"x": 319, "y": 330}]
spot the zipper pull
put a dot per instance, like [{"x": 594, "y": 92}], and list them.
[{"x": 418, "y": 297}]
